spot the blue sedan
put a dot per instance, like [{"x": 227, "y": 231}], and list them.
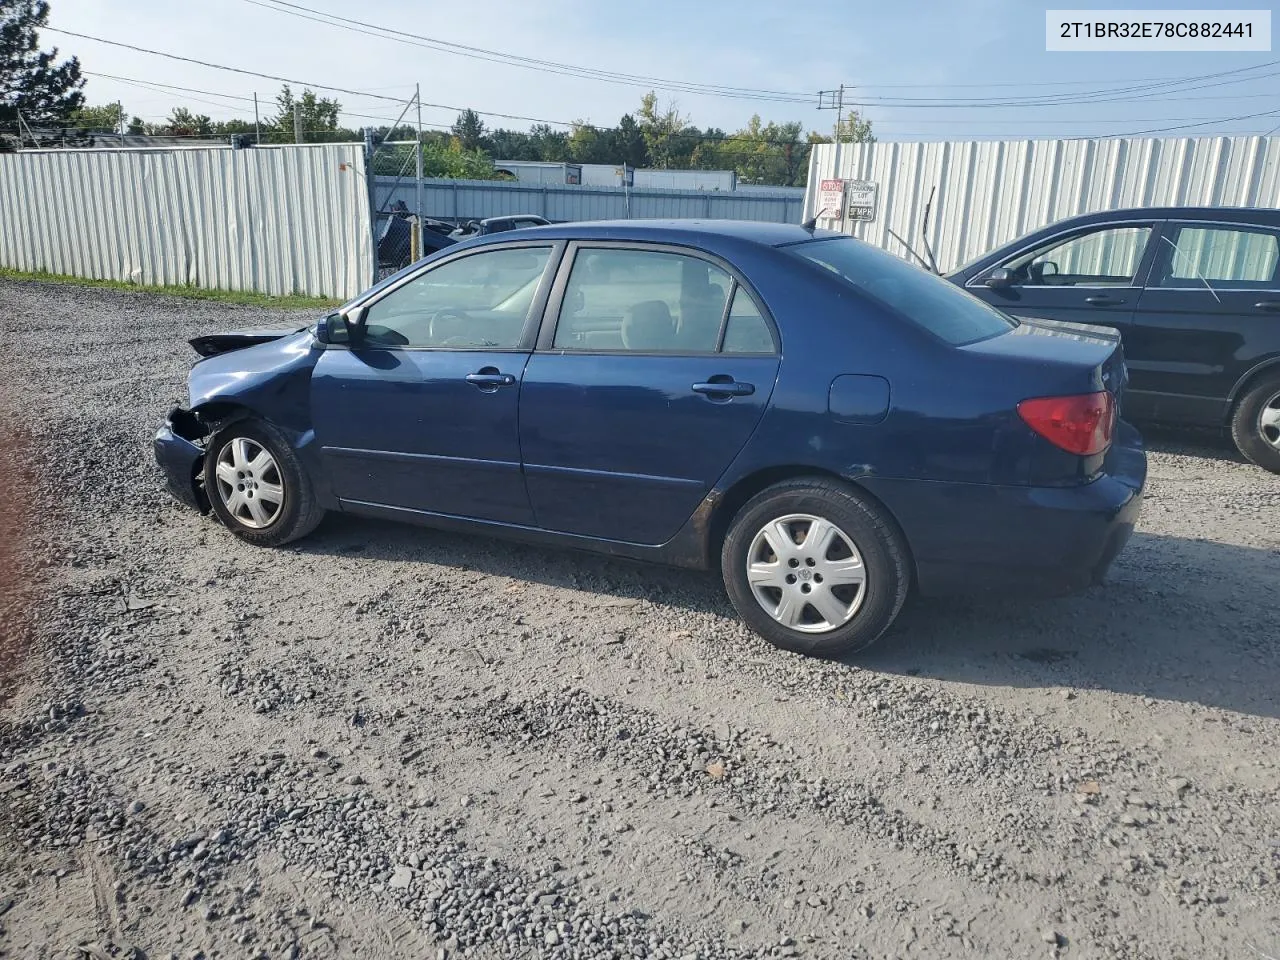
[{"x": 826, "y": 424}]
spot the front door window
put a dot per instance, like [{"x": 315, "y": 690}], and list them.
[{"x": 1100, "y": 258}]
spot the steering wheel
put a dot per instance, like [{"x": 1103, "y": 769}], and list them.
[{"x": 446, "y": 330}]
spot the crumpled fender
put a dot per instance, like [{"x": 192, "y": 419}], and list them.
[{"x": 271, "y": 379}]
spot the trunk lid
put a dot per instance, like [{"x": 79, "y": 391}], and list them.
[{"x": 1051, "y": 358}]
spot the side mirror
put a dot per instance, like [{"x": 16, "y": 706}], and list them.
[
  {"x": 345, "y": 328},
  {"x": 999, "y": 278}
]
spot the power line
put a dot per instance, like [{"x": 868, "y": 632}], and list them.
[
  {"x": 302, "y": 83},
  {"x": 532, "y": 63},
  {"x": 1118, "y": 95}
]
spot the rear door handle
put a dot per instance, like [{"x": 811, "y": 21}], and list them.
[
  {"x": 1103, "y": 301},
  {"x": 725, "y": 388},
  {"x": 1271, "y": 306},
  {"x": 489, "y": 378}
]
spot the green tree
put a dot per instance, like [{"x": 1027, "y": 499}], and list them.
[
  {"x": 550, "y": 145},
  {"x": 468, "y": 130},
  {"x": 101, "y": 119},
  {"x": 853, "y": 129},
  {"x": 183, "y": 123},
  {"x": 659, "y": 127},
  {"x": 631, "y": 147},
  {"x": 319, "y": 118},
  {"x": 33, "y": 83}
]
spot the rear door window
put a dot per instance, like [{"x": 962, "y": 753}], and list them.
[
  {"x": 1219, "y": 256},
  {"x": 925, "y": 299},
  {"x": 642, "y": 301}
]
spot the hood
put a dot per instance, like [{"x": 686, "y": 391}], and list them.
[{"x": 212, "y": 344}]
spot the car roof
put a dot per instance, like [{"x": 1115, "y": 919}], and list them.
[
  {"x": 692, "y": 232},
  {"x": 1264, "y": 215}
]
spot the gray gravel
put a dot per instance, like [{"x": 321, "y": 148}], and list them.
[{"x": 392, "y": 742}]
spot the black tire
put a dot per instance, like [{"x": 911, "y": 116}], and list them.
[
  {"x": 873, "y": 535},
  {"x": 1259, "y": 442},
  {"x": 297, "y": 516}
]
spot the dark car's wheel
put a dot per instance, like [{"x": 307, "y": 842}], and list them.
[
  {"x": 256, "y": 485},
  {"x": 814, "y": 568},
  {"x": 1255, "y": 426}
]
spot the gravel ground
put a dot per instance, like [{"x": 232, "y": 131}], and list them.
[{"x": 392, "y": 742}]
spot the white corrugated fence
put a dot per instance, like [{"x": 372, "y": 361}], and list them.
[
  {"x": 989, "y": 192},
  {"x": 279, "y": 220}
]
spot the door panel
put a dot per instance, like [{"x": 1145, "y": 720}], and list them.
[
  {"x": 622, "y": 447},
  {"x": 651, "y": 379},
  {"x": 1207, "y": 316},
  {"x": 421, "y": 412},
  {"x": 404, "y": 428}
]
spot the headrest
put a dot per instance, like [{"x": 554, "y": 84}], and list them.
[{"x": 648, "y": 326}]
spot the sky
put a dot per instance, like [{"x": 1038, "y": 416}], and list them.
[{"x": 948, "y": 54}]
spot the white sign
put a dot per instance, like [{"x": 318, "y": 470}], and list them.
[
  {"x": 1143, "y": 31},
  {"x": 862, "y": 199},
  {"x": 830, "y": 199}
]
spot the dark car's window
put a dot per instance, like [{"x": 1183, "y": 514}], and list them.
[
  {"x": 939, "y": 306},
  {"x": 479, "y": 302},
  {"x": 747, "y": 330},
  {"x": 1219, "y": 256},
  {"x": 1109, "y": 256},
  {"x": 644, "y": 301}
]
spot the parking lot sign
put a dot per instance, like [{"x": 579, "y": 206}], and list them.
[{"x": 862, "y": 200}]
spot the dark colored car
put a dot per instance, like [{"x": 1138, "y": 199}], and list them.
[
  {"x": 1195, "y": 293},
  {"x": 825, "y": 423},
  {"x": 481, "y": 228}
]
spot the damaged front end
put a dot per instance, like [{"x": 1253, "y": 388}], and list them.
[{"x": 179, "y": 447}]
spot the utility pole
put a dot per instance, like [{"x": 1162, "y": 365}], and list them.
[
  {"x": 417, "y": 149},
  {"x": 120, "y": 110},
  {"x": 257, "y": 127},
  {"x": 834, "y": 100},
  {"x": 297, "y": 122}
]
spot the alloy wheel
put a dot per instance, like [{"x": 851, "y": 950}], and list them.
[
  {"x": 249, "y": 483},
  {"x": 806, "y": 573},
  {"x": 1269, "y": 421}
]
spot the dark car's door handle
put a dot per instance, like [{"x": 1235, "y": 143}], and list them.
[
  {"x": 1103, "y": 301},
  {"x": 725, "y": 388},
  {"x": 1271, "y": 306},
  {"x": 491, "y": 379}
]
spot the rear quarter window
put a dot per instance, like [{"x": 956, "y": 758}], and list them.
[{"x": 923, "y": 298}]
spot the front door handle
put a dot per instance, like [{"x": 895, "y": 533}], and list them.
[
  {"x": 1271, "y": 306},
  {"x": 1103, "y": 301},
  {"x": 490, "y": 379},
  {"x": 725, "y": 388}
]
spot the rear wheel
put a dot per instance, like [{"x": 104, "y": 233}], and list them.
[
  {"x": 814, "y": 568},
  {"x": 1255, "y": 426},
  {"x": 256, "y": 484}
]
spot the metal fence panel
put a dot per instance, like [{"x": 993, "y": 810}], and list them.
[
  {"x": 989, "y": 192},
  {"x": 477, "y": 199},
  {"x": 279, "y": 220}
]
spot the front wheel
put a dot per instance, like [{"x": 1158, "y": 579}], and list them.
[
  {"x": 814, "y": 568},
  {"x": 257, "y": 486},
  {"x": 1255, "y": 425}
]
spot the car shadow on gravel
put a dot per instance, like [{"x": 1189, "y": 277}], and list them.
[
  {"x": 1184, "y": 620},
  {"x": 567, "y": 569},
  {"x": 1181, "y": 620}
]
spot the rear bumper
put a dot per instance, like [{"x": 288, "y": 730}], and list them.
[
  {"x": 979, "y": 538},
  {"x": 180, "y": 458}
]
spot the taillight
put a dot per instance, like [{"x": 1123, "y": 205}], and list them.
[{"x": 1079, "y": 424}]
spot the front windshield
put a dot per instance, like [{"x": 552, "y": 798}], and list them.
[{"x": 925, "y": 299}]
